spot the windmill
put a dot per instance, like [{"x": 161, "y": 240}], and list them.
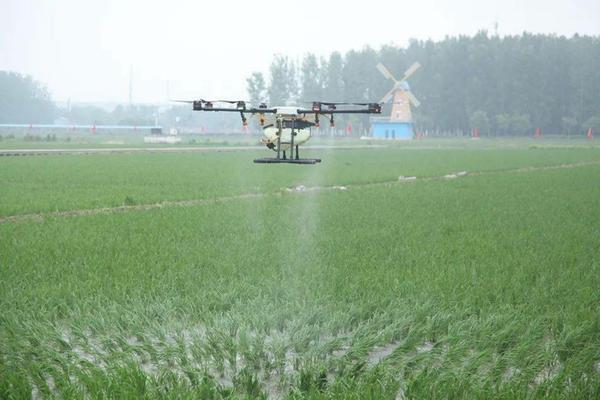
[{"x": 399, "y": 124}]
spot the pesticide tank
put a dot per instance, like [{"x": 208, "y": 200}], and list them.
[{"x": 270, "y": 136}]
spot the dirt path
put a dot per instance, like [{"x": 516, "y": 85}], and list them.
[{"x": 298, "y": 189}]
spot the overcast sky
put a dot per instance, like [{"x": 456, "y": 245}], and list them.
[{"x": 84, "y": 49}]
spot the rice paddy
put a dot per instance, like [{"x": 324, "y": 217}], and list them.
[{"x": 475, "y": 275}]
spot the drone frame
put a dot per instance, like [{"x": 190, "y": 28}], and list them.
[{"x": 318, "y": 108}]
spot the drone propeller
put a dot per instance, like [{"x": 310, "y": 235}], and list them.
[
  {"x": 331, "y": 105},
  {"x": 241, "y": 104},
  {"x": 327, "y": 103},
  {"x": 229, "y": 101},
  {"x": 361, "y": 104},
  {"x": 238, "y": 102}
]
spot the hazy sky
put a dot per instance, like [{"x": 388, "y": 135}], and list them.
[{"x": 84, "y": 49}]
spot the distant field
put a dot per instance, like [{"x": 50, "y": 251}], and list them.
[
  {"x": 66, "y": 139},
  {"x": 60, "y": 183},
  {"x": 103, "y": 140},
  {"x": 349, "y": 284},
  {"x": 88, "y": 140}
]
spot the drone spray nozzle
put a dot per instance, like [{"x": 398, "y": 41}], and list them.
[{"x": 331, "y": 123}]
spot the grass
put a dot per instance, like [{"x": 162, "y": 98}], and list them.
[
  {"x": 60, "y": 183},
  {"x": 485, "y": 286}
]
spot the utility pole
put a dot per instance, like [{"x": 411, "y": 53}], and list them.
[{"x": 130, "y": 85}]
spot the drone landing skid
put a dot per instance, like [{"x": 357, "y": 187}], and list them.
[
  {"x": 294, "y": 156},
  {"x": 272, "y": 160}
]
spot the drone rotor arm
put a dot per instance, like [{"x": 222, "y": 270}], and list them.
[
  {"x": 372, "y": 108},
  {"x": 253, "y": 110}
]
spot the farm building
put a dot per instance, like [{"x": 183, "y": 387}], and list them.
[
  {"x": 399, "y": 124},
  {"x": 386, "y": 129}
]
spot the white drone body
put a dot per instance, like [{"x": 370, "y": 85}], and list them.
[{"x": 271, "y": 134}]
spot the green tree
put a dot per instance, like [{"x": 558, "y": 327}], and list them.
[
  {"x": 513, "y": 124},
  {"x": 282, "y": 87},
  {"x": 134, "y": 115},
  {"x": 503, "y": 124},
  {"x": 479, "y": 120},
  {"x": 293, "y": 84},
  {"x": 359, "y": 81},
  {"x": 24, "y": 100},
  {"x": 520, "y": 81},
  {"x": 569, "y": 125},
  {"x": 257, "y": 88},
  {"x": 311, "y": 86},
  {"x": 359, "y": 75},
  {"x": 520, "y": 124},
  {"x": 333, "y": 82},
  {"x": 594, "y": 123},
  {"x": 89, "y": 115}
]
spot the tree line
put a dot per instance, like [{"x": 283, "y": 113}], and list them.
[
  {"x": 500, "y": 85},
  {"x": 23, "y": 100}
]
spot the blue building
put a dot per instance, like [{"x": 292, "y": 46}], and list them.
[{"x": 386, "y": 129}]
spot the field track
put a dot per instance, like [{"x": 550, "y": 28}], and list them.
[{"x": 195, "y": 202}]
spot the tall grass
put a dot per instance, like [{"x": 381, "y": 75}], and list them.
[{"x": 479, "y": 287}]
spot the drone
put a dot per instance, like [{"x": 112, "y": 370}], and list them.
[{"x": 285, "y": 128}]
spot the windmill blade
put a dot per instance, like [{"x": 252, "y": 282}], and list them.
[
  {"x": 388, "y": 96},
  {"x": 385, "y": 72},
  {"x": 411, "y": 97},
  {"x": 411, "y": 70}
]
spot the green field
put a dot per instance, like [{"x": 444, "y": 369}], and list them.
[{"x": 206, "y": 276}]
